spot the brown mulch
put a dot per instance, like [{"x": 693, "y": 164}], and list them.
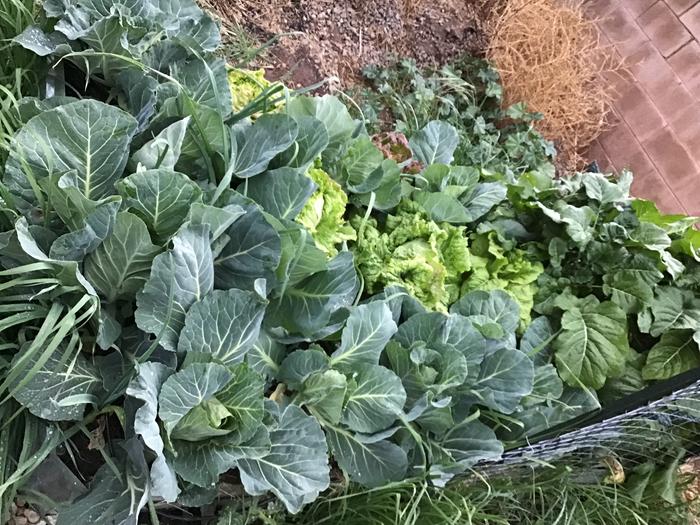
[{"x": 335, "y": 39}]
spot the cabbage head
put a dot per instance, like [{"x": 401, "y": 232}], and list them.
[{"x": 426, "y": 258}]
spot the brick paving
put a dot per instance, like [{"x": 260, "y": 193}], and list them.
[{"x": 656, "y": 119}]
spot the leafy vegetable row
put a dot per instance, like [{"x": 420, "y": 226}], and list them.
[{"x": 273, "y": 290}]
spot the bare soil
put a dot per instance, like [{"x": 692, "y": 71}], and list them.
[{"x": 334, "y": 39}]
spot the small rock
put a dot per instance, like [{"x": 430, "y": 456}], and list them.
[
  {"x": 32, "y": 516},
  {"x": 20, "y": 502},
  {"x": 20, "y": 520},
  {"x": 51, "y": 520}
]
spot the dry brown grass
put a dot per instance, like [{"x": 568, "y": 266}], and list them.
[{"x": 549, "y": 55}]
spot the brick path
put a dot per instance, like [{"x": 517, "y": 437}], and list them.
[{"x": 656, "y": 129}]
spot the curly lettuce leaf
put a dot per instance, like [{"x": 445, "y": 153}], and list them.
[
  {"x": 426, "y": 258},
  {"x": 323, "y": 213},
  {"x": 495, "y": 268}
]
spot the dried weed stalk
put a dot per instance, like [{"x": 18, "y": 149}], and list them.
[{"x": 549, "y": 55}]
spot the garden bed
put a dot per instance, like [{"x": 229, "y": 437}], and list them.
[{"x": 225, "y": 300}]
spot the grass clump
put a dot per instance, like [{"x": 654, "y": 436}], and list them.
[{"x": 548, "y": 53}]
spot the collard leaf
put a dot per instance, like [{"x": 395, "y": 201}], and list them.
[
  {"x": 442, "y": 207},
  {"x": 306, "y": 307},
  {"x": 536, "y": 340},
  {"x": 485, "y": 196},
  {"x": 266, "y": 355},
  {"x": 243, "y": 399},
  {"x": 188, "y": 388},
  {"x": 546, "y": 386},
  {"x": 370, "y": 464},
  {"x": 89, "y": 222},
  {"x": 572, "y": 403},
  {"x": 163, "y": 150},
  {"x": 647, "y": 211},
  {"x": 359, "y": 164},
  {"x": 224, "y": 325},
  {"x": 324, "y": 393},
  {"x": 121, "y": 264},
  {"x": 300, "y": 257},
  {"x": 435, "y": 143},
  {"x": 252, "y": 252},
  {"x": 139, "y": 91},
  {"x": 675, "y": 353},
  {"x": 259, "y": 143},
  {"x": 578, "y": 221},
  {"x": 628, "y": 291},
  {"x": 310, "y": 142},
  {"x": 606, "y": 191},
  {"x": 339, "y": 125},
  {"x": 505, "y": 377},
  {"x": 374, "y": 400},
  {"x": 112, "y": 500},
  {"x": 592, "y": 345},
  {"x": 282, "y": 192},
  {"x": 202, "y": 462},
  {"x": 206, "y": 83},
  {"x": 674, "y": 309},
  {"x": 296, "y": 469},
  {"x": 162, "y": 198},
  {"x": 61, "y": 388},
  {"x": 301, "y": 364},
  {"x": 650, "y": 236},
  {"x": 69, "y": 138},
  {"x": 367, "y": 331},
  {"x": 496, "y": 305},
  {"x": 218, "y": 219},
  {"x": 146, "y": 387},
  {"x": 179, "y": 278},
  {"x": 43, "y": 44},
  {"x": 471, "y": 442}
]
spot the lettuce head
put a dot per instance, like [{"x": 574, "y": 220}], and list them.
[
  {"x": 246, "y": 86},
  {"x": 426, "y": 258},
  {"x": 496, "y": 268},
  {"x": 323, "y": 214}
]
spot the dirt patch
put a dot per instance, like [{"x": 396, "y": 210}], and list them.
[{"x": 330, "y": 39}]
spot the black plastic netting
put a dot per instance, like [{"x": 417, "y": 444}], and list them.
[{"x": 636, "y": 435}]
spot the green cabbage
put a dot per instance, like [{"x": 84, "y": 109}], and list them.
[
  {"x": 323, "y": 213},
  {"x": 426, "y": 258},
  {"x": 494, "y": 268}
]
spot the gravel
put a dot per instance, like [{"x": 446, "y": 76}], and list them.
[{"x": 23, "y": 514}]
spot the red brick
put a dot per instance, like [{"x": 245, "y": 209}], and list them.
[
  {"x": 687, "y": 128},
  {"x": 660, "y": 82},
  {"x": 639, "y": 111},
  {"x": 681, "y": 6},
  {"x": 672, "y": 160},
  {"x": 664, "y": 29},
  {"x": 623, "y": 149},
  {"x": 637, "y": 7},
  {"x": 599, "y": 8},
  {"x": 691, "y": 19},
  {"x": 620, "y": 27},
  {"x": 686, "y": 64},
  {"x": 652, "y": 186}
]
